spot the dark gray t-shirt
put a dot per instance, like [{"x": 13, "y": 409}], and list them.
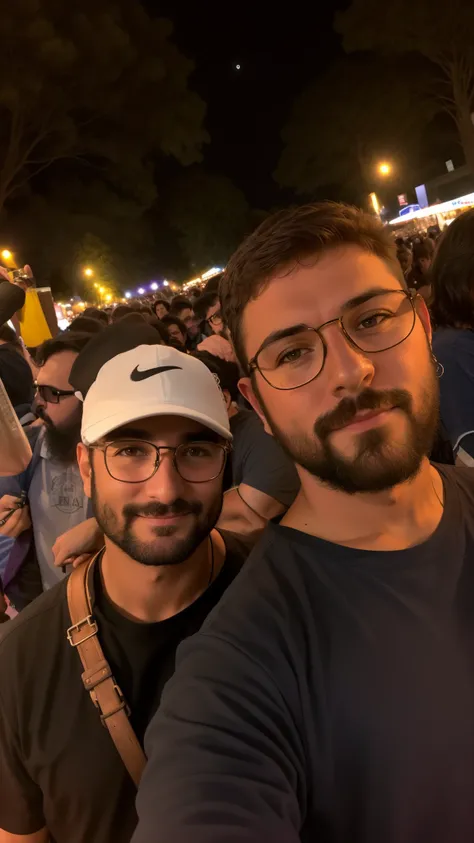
[
  {"x": 328, "y": 699},
  {"x": 259, "y": 461}
]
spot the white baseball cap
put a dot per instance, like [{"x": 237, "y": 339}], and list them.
[{"x": 152, "y": 380}]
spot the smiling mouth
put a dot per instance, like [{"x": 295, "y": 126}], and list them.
[{"x": 366, "y": 418}]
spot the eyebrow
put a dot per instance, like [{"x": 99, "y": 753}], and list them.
[{"x": 291, "y": 330}]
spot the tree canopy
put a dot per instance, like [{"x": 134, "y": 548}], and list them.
[
  {"x": 360, "y": 112},
  {"x": 210, "y": 214},
  {"x": 441, "y": 32},
  {"x": 97, "y": 81}
]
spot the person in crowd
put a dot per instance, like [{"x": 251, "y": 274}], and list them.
[
  {"x": 119, "y": 312},
  {"x": 405, "y": 259},
  {"x": 264, "y": 480},
  {"x": 56, "y": 498},
  {"x": 452, "y": 310},
  {"x": 176, "y": 330},
  {"x": 155, "y": 437},
  {"x": 330, "y": 695},
  {"x": 418, "y": 278},
  {"x": 15, "y": 372},
  {"x": 96, "y": 313},
  {"x": 86, "y": 324},
  {"x": 217, "y": 343},
  {"x": 183, "y": 309},
  {"x": 161, "y": 308}
]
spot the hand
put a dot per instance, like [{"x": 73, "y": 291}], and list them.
[
  {"x": 18, "y": 521},
  {"x": 75, "y": 546},
  {"x": 218, "y": 346}
]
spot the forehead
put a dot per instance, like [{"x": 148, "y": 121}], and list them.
[
  {"x": 57, "y": 369},
  {"x": 313, "y": 292},
  {"x": 173, "y": 429}
]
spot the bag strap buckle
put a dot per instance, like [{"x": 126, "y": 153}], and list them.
[{"x": 91, "y": 630}]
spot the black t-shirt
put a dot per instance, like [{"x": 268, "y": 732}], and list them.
[
  {"x": 328, "y": 698},
  {"x": 259, "y": 461},
  {"x": 58, "y": 765}
]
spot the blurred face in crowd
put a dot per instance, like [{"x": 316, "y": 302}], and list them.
[
  {"x": 215, "y": 321},
  {"x": 424, "y": 264},
  {"x": 61, "y": 413},
  {"x": 163, "y": 519},
  {"x": 160, "y": 311},
  {"x": 189, "y": 318},
  {"x": 176, "y": 334},
  {"x": 368, "y": 418}
]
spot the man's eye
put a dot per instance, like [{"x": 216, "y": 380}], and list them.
[
  {"x": 131, "y": 451},
  {"x": 197, "y": 451},
  {"x": 373, "y": 320},
  {"x": 292, "y": 355}
]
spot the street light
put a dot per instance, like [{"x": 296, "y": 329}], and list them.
[
  {"x": 6, "y": 255},
  {"x": 384, "y": 168},
  {"x": 154, "y": 286},
  {"x": 128, "y": 295},
  {"x": 88, "y": 271},
  {"x": 141, "y": 291}
]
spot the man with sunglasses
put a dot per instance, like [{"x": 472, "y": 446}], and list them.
[
  {"x": 155, "y": 439},
  {"x": 330, "y": 696},
  {"x": 52, "y": 482}
]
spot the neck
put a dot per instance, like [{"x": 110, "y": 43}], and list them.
[
  {"x": 151, "y": 593},
  {"x": 398, "y": 518}
]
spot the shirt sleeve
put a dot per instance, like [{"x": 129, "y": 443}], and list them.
[
  {"x": 266, "y": 467},
  {"x": 225, "y": 762},
  {"x": 457, "y": 393},
  {"x": 21, "y": 800}
]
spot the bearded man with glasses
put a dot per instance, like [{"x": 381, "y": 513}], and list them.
[
  {"x": 330, "y": 697},
  {"x": 155, "y": 441},
  {"x": 52, "y": 484}
]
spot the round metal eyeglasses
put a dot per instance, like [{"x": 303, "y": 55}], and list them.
[
  {"x": 136, "y": 461},
  {"x": 295, "y": 356}
]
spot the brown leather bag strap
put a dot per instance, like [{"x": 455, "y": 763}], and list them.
[{"x": 97, "y": 676}]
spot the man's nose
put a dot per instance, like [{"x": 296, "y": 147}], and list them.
[
  {"x": 166, "y": 484},
  {"x": 348, "y": 369}
]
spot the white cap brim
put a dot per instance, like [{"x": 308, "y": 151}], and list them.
[{"x": 125, "y": 415}]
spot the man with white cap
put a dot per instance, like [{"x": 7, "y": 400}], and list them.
[{"x": 155, "y": 438}]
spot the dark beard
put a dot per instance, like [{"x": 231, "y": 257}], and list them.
[
  {"x": 154, "y": 553},
  {"x": 379, "y": 463},
  {"x": 62, "y": 442}
]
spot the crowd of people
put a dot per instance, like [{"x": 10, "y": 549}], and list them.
[{"x": 240, "y": 558}]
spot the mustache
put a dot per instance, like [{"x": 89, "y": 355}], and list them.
[
  {"x": 369, "y": 399},
  {"x": 158, "y": 510}
]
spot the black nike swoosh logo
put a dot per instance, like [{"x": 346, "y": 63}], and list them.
[{"x": 137, "y": 375}]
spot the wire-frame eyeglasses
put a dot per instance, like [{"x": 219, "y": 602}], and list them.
[
  {"x": 295, "y": 356},
  {"x": 136, "y": 461}
]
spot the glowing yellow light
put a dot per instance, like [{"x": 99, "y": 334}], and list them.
[
  {"x": 7, "y": 255},
  {"x": 375, "y": 202},
  {"x": 96, "y": 285},
  {"x": 101, "y": 289},
  {"x": 384, "y": 168},
  {"x": 88, "y": 271},
  {"x": 108, "y": 297}
]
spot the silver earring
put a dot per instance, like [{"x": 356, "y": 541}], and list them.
[{"x": 439, "y": 368}]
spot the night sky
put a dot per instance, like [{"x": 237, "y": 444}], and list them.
[{"x": 279, "y": 51}]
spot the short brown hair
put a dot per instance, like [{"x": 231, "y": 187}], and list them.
[{"x": 288, "y": 237}]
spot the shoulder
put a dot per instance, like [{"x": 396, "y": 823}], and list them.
[
  {"x": 460, "y": 478},
  {"x": 35, "y": 629},
  {"x": 259, "y": 589},
  {"x": 452, "y": 340},
  {"x": 238, "y": 547}
]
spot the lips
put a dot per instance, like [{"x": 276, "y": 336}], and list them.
[{"x": 365, "y": 415}]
